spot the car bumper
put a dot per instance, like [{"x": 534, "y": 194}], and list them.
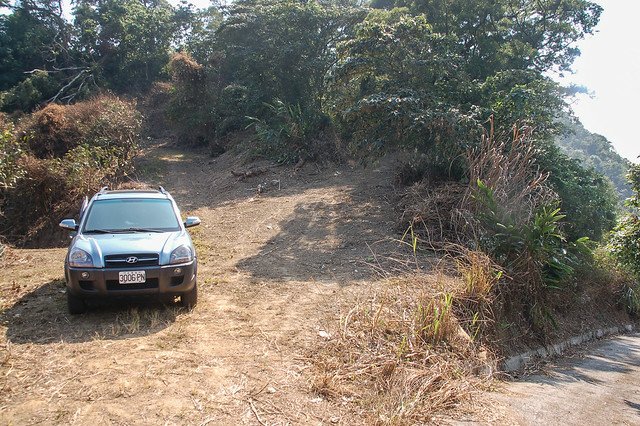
[{"x": 160, "y": 280}]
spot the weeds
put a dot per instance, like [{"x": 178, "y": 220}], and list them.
[
  {"x": 631, "y": 299},
  {"x": 137, "y": 320},
  {"x": 509, "y": 213},
  {"x": 290, "y": 134},
  {"x": 475, "y": 302},
  {"x": 403, "y": 354}
]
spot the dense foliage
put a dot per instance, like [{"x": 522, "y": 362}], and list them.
[
  {"x": 510, "y": 34},
  {"x": 121, "y": 45},
  {"x": 625, "y": 239}
]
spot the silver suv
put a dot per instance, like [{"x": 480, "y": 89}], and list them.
[{"x": 130, "y": 243}]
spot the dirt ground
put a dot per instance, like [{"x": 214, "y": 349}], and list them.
[{"x": 280, "y": 254}]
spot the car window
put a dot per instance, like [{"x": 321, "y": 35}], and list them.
[{"x": 127, "y": 214}]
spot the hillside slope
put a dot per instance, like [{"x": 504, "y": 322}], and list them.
[{"x": 595, "y": 151}]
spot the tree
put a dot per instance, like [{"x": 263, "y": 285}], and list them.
[
  {"x": 126, "y": 42},
  {"x": 284, "y": 49},
  {"x": 595, "y": 151},
  {"x": 399, "y": 84},
  {"x": 198, "y": 31},
  {"x": 510, "y": 34},
  {"x": 625, "y": 238},
  {"x": 33, "y": 36}
]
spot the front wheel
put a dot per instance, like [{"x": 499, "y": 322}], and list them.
[
  {"x": 75, "y": 304},
  {"x": 190, "y": 298}
]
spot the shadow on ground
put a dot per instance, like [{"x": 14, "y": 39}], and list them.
[
  {"x": 633, "y": 405},
  {"x": 343, "y": 228},
  {"x": 41, "y": 317},
  {"x": 351, "y": 233},
  {"x": 617, "y": 357}
]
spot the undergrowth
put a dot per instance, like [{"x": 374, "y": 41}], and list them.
[
  {"x": 60, "y": 154},
  {"x": 420, "y": 345},
  {"x": 290, "y": 134},
  {"x": 412, "y": 350},
  {"x": 509, "y": 212}
]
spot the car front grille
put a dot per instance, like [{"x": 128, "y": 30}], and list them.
[{"x": 126, "y": 260}]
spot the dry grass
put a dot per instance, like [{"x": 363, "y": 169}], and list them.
[
  {"x": 476, "y": 295},
  {"x": 447, "y": 213},
  {"x": 508, "y": 166},
  {"x": 435, "y": 214},
  {"x": 402, "y": 355}
]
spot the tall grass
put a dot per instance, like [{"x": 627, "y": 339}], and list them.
[{"x": 409, "y": 351}]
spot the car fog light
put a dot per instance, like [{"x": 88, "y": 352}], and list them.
[
  {"x": 84, "y": 275},
  {"x": 177, "y": 271}
]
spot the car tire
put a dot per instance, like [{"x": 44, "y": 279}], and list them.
[
  {"x": 75, "y": 304},
  {"x": 190, "y": 298}
]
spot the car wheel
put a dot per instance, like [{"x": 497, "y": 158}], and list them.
[
  {"x": 75, "y": 304},
  {"x": 190, "y": 298}
]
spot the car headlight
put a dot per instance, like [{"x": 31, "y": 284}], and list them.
[
  {"x": 182, "y": 254},
  {"x": 79, "y": 258}
]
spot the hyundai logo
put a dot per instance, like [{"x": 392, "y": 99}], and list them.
[{"x": 132, "y": 259}]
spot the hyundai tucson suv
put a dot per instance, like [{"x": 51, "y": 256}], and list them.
[{"x": 130, "y": 243}]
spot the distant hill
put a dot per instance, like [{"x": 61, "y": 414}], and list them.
[{"x": 595, "y": 151}]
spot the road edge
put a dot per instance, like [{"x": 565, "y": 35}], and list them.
[{"x": 517, "y": 362}]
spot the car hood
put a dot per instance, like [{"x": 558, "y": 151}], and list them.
[{"x": 101, "y": 245}]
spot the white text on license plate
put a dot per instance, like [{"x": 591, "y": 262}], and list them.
[{"x": 132, "y": 277}]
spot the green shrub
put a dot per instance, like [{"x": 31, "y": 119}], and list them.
[
  {"x": 588, "y": 198},
  {"x": 30, "y": 92},
  {"x": 520, "y": 225},
  {"x": 193, "y": 105},
  {"x": 235, "y": 103},
  {"x": 11, "y": 149},
  {"x": 291, "y": 134},
  {"x": 536, "y": 250},
  {"x": 624, "y": 243}
]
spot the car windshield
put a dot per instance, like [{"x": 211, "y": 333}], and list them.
[{"x": 131, "y": 215}]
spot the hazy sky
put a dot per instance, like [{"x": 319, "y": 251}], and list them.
[{"x": 610, "y": 68}]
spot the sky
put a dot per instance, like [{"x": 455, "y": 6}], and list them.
[{"x": 609, "y": 67}]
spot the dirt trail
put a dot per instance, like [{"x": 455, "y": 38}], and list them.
[
  {"x": 275, "y": 269},
  {"x": 600, "y": 387}
]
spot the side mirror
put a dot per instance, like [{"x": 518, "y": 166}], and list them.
[
  {"x": 191, "y": 221},
  {"x": 69, "y": 225}
]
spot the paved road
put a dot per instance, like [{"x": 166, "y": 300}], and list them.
[{"x": 599, "y": 387}]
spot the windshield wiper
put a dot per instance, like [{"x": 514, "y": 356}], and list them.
[
  {"x": 139, "y": 230},
  {"x": 98, "y": 231},
  {"x": 120, "y": 231}
]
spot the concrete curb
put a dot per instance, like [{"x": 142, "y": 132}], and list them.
[{"x": 517, "y": 362}]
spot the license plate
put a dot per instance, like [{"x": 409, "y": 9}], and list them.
[{"x": 132, "y": 277}]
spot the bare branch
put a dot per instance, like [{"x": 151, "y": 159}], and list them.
[{"x": 65, "y": 87}]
